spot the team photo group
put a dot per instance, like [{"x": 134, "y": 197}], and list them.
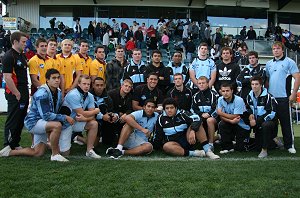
[{"x": 136, "y": 108}]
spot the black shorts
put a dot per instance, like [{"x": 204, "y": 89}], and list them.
[{"x": 180, "y": 138}]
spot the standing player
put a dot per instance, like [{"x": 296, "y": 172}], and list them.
[
  {"x": 16, "y": 90},
  {"x": 82, "y": 58},
  {"x": 277, "y": 71},
  {"x": 98, "y": 65}
]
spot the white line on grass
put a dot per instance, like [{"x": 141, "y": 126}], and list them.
[{"x": 129, "y": 158}]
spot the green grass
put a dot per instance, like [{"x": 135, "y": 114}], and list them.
[{"x": 156, "y": 175}]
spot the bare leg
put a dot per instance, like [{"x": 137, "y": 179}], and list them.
[
  {"x": 145, "y": 148},
  {"x": 92, "y": 130},
  {"x": 201, "y": 135},
  {"x": 54, "y": 130},
  {"x": 37, "y": 151},
  {"x": 211, "y": 125},
  {"x": 125, "y": 133},
  {"x": 173, "y": 148}
]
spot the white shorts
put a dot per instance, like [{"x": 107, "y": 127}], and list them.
[
  {"x": 65, "y": 139},
  {"x": 134, "y": 141},
  {"x": 39, "y": 132}
]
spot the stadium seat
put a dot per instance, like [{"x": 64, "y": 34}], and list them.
[{"x": 33, "y": 30}]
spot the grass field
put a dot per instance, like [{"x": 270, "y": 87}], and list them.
[{"x": 156, "y": 175}]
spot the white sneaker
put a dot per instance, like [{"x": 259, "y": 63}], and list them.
[
  {"x": 292, "y": 150},
  {"x": 76, "y": 141},
  {"x": 211, "y": 155},
  {"x": 58, "y": 158},
  {"x": 263, "y": 154},
  {"x": 199, "y": 153},
  {"x": 92, "y": 154},
  {"x": 5, "y": 151},
  {"x": 226, "y": 151}
]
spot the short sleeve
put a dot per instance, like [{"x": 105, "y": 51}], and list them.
[
  {"x": 74, "y": 100},
  {"x": 91, "y": 103},
  {"x": 293, "y": 67},
  {"x": 8, "y": 64},
  {"x": 33, "y": 66},
  {"x": 137, "y": 114},
  {"x": 239, "y": 107}
]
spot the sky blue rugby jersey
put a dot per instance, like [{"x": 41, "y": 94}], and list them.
[{"x": 277, "y": 71}]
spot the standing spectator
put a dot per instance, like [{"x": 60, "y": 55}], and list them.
[
  {"x": 251, "y": 34},
  {"x": 16, "y": 91},
  {"x": 243, "y": 33},
  {"x": 194, "y": 30},
  {"x": 91, "y": 31},
  {"x": 52, "y": 23},
  {"x": 207, "y": 35},
  {"x": 8, "y": 43},
  {"x": 217, "y": 37},
  {"x": 77, "y": 29},
  {"x": 105, "y": 41},
  {"x": 165, "y": 40},
  {"x": 116, "y": 29},
  {"x": 139, "y": 38},
  {"x": 151, "y": 30},
  {"x": 144, "y": 30},
  {"x": 129, "y": 33},
  {"x": 153, "y": 43},
  {"x": 190, "y": 49},
  {"x": 135, "y": 26}
]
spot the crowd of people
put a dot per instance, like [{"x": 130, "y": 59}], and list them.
[{"x": 136, "y": 107}]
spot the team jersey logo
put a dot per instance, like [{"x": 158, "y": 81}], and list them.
[
  {"x": 42, "y": 66},
  {"x": 225, "y": 72}
]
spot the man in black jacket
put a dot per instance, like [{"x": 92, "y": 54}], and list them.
[{"x": 176, "y": 131}]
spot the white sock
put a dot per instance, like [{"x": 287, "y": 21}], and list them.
[{"x": 120, "y": 147}]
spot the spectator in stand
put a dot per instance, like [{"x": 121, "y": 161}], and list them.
[
  {"x": 236, "y": 45},
  {"x": 116, "y": 29},
  {"x": 52, "y": 23},
  {"x": 153, "y": 43},
  {"x": 7, "y": 41},
  {"x": 207, "y": 35},
  {"x": 225, "y": 41},
  {"x": 105, "y": 41},
  {"x": 286, "y": 34},
  {"x": 77, "y": 29},
  {"x": 61, "y": 26},
  {"x": 215, "y": 52},
  {"x": 91, "y": 31},
  {"x": 251, "y": 34},
  {"x": 194, "y": 30},
  {"x": 98, "y": 32},
  {"x": 179, "y": 29},
  {"x": 217, "y": 37},
  {"x": 144, "y": 30},
  {"x": 135, "y": 26},
  {"x": 165, "y": 40},
  {"x": 129, "y": 33},
  {"x": 190, "y": 49},
  {"x": 151, "y": 30},
  {"x": 243, "y": 33},
  {"x": 139, "y": 38},
  {"x": 130, "y": 45}
]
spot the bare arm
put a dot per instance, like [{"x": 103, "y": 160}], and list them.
[
  {"x": 11, "y": 85},
  {"x": 193, "y": 77},
  {"x": 88, "y": 113},
  {"x": 226, "y": 115},
  {"x": 78, "y": 73},
  {"x": 62, "y": 85},
  {"x": 135, "y": 105},
  {"x": 34, "y": 80},
  {"x": 293, "y": 96},
  {"x": 212, "y": 79}
]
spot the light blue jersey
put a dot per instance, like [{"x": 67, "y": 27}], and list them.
[
  {"x": 277, "y": 72},
  {"x": 146, "y": 122},
  {"x": 235, "y": 106},
  {"x": 203, "y": 67}
]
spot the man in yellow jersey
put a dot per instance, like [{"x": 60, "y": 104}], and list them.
[
  {"x": 98, "y": 65},
  {"x": 82, "y": 57},
  {"x": 70, "y": 65},
  {"x": 39, "y": 64},
  {"x": 51, "y": 53}
]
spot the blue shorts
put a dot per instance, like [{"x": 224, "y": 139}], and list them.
[
  {"x": 39, "y": 132},
  {"x": 134, "y": 141}
]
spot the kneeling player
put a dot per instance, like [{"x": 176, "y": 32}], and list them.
[
  {"x": 135, "y": 133},
  {"x": 178, "y": 130},
  {"x": 43, "y": 120}
]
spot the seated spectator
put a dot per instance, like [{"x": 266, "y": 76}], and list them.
[
  {"x": 136, "y": 132},
  {"x": 130, "y": 45},
  {"x": 165, "y": 40}
]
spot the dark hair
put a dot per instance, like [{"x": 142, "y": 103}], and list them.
[
  {"x": 178, "y": 52},
  {"x": 253, "y": 53},
  {"x": 16, "y": 36},
  {"x": 150, "y": 100},
  {"x": 152, "y": 74},
  {"x": 169, "y": 101},
  {"x": 98, "y": 78},
  {"x": 83, "y": 41},
  {"x": 178, "y": 74},
  {"x": 40, "y": 40},
  {"x": 203, "y": 44},
  {"x": 257, "y": 78},
  {"x": 227, "y": 85},
  {"x": 50, "y": 72},
  {"x": 156, "y": 52},
  {"x": 99, "y": 47}
]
